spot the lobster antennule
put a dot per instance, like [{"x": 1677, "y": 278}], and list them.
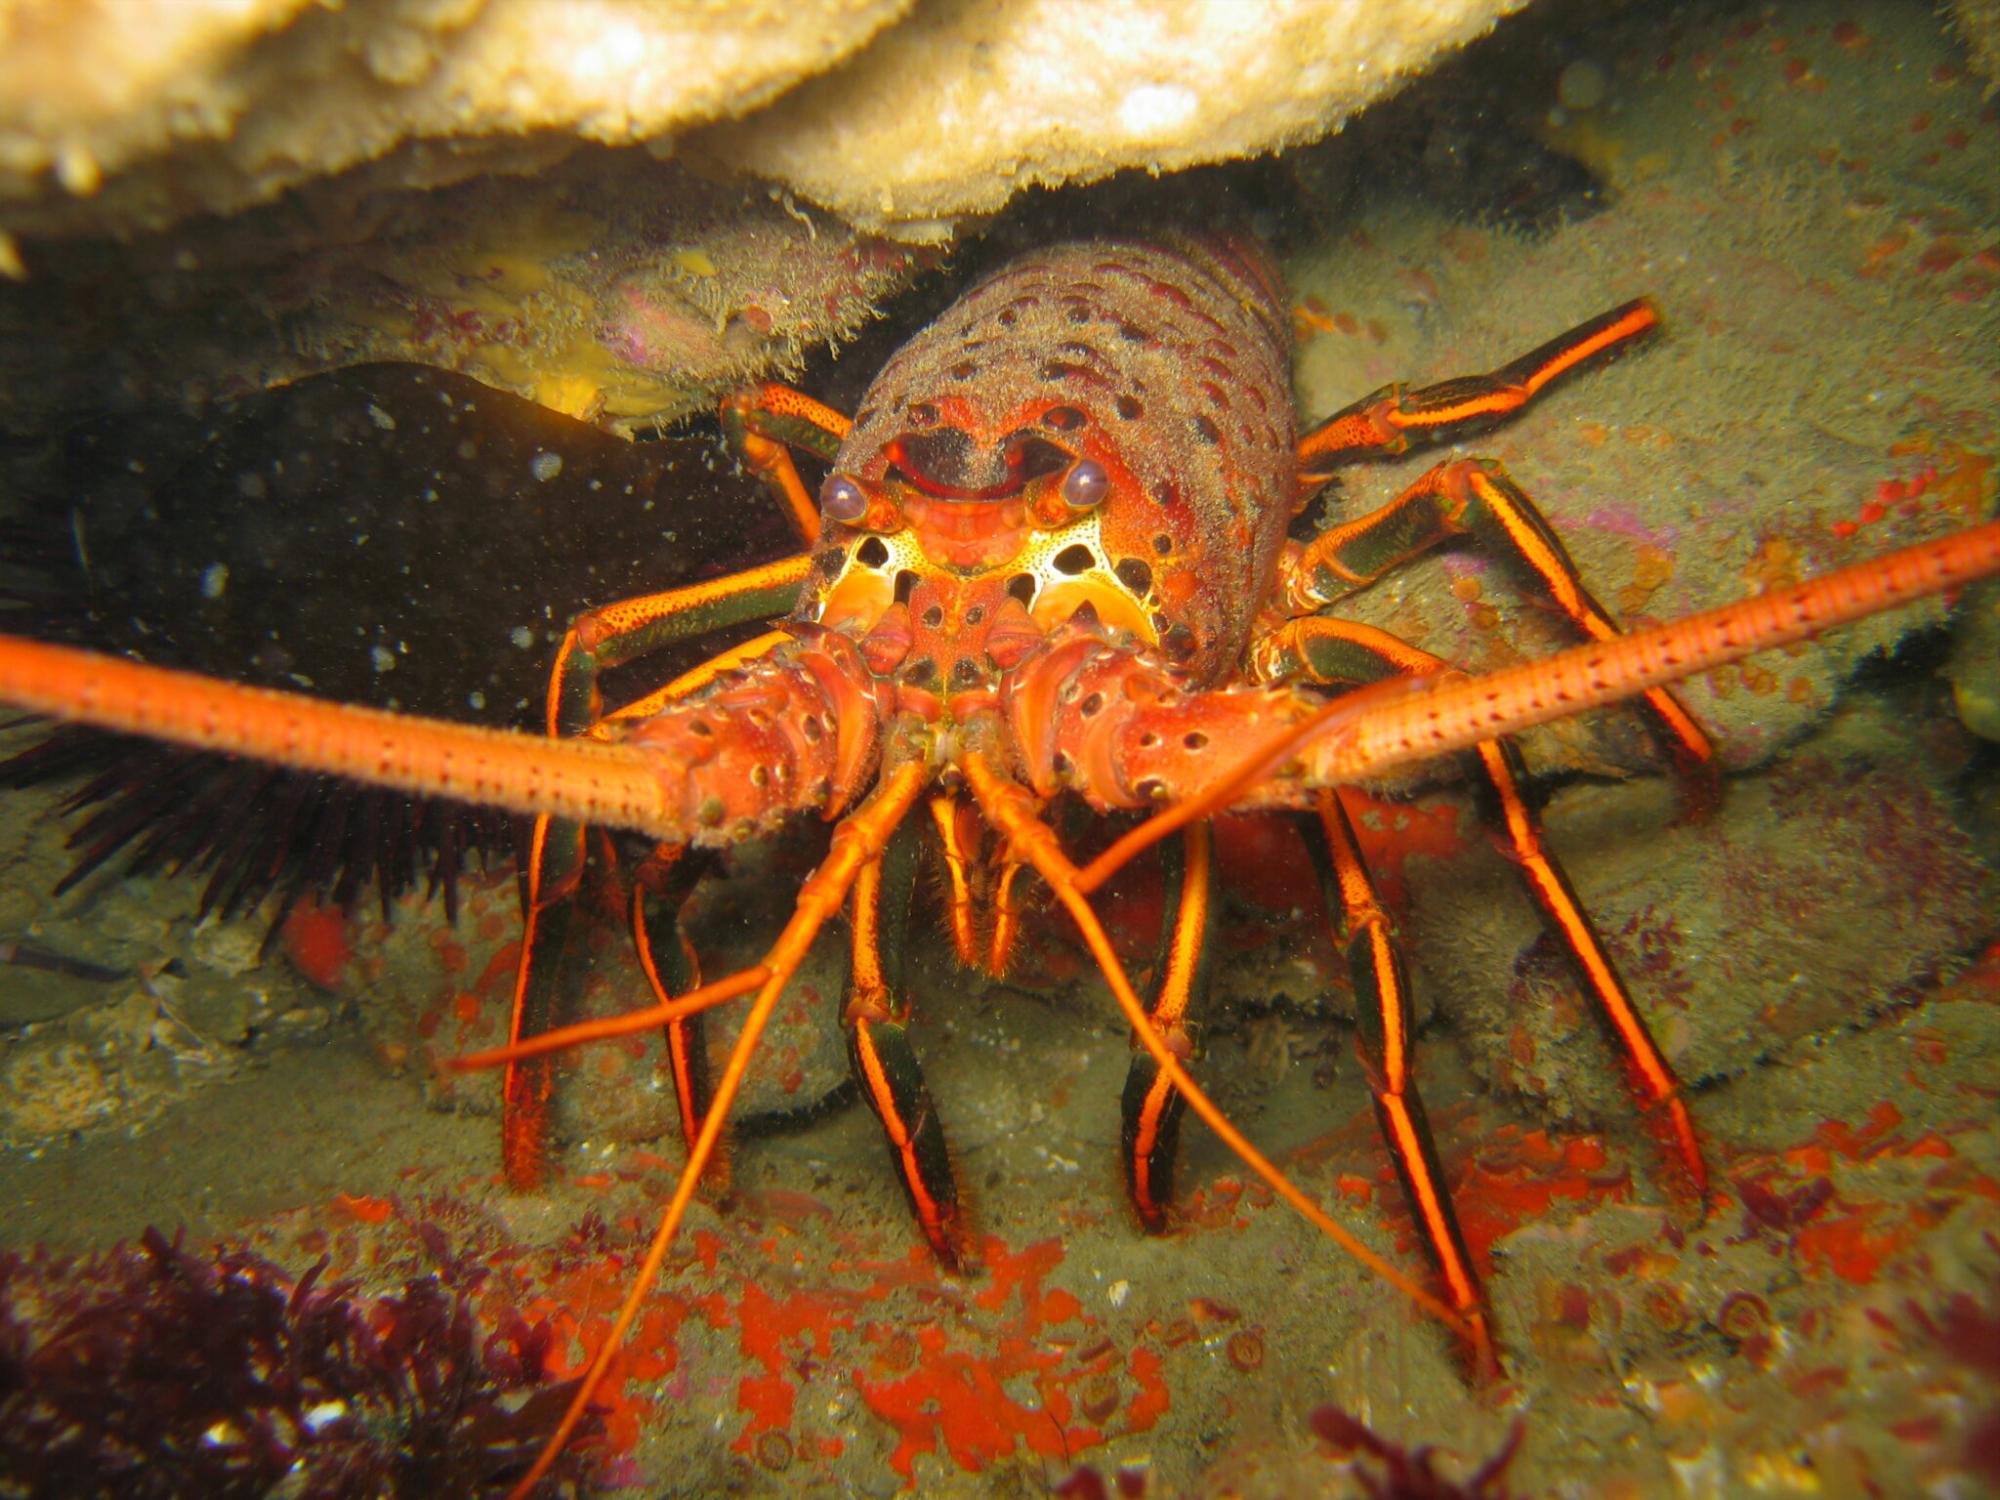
[{"x": 595, "y": 783}]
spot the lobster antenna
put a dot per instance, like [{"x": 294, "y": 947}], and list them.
[{"x": 1407, "y": 719}]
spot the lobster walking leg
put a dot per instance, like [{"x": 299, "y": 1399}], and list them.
[
  {"x": 1474, "y": 497},
  {"x": 1343, "y": 653},
  {"x": 1152, "y": 1106},
  {"x": 558, "y": 849},
  {"x": 761, "y": 421},
  {"x": 858, "y": 841},
  {"x": 1011, "y": 808},
  {"x": 1387, "y": 1043},
  {"x": 660, "y": 887},
  {"x": 884, "y": 1062},
  {"x": 1396, "y": 418}
]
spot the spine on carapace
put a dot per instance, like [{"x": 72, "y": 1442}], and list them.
[{"x": 797, "y": 730}]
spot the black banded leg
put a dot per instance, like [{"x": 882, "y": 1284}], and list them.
[
  {"x": 1651, "y": 1077},
  {"x": 554, "y": 949},
  {"x": 884, "y": 1062},
  {"x": 1475, "y": 498},
  {"x": 1385, "y": 1041},
  {"x": 661, "y": 886},
  {"x": 1341, "y": 652},
  {"x": 1150, "y": 1137},
  {"x": 1398, "y": 418}
]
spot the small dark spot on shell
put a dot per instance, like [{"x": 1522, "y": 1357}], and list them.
[
  {"x": 965, "y": 672},
  {"x": 1135, "y": 574},
  {"x": 1194, "y": 739},
  {"x": 1743, "y": 1315},
  {"x": 1091, "y": 706},
  {"x": 872, "y": 552},
  {"x": 965, "y": 369},
  {"x": 1074, "y": 559},
  {"x": 1129, "y": 408},
  {"x": 774, "y": 1451},
  {"x": 1022, "y": 586},
  {"x": 1206, "y": 430},
  {"x": 1059, "y": 763},
  {"x": 934, "y": 616},
  {"x": 1163, "y": 544},
  {"x": 976, "y": 615},
  {"x": 701, "y": 727},
  {"x": 921, "y": 672},
  {"x": 1246, "y": 1350},
  {"x": 907, "y": 580},
  {"x": 1064, "y": 418},
  {"x": 811, "y": 727},
  {"x": 922, "y": 414}
]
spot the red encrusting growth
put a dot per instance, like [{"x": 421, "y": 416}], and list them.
[
  {"x": 957, "y": 1400},
  {"x": 315, "y": 940}
]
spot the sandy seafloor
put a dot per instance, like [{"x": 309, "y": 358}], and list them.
[{"x": 1812, "y": 193}]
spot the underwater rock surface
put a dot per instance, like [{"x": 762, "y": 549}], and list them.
[{"x": 137, "y": 115}]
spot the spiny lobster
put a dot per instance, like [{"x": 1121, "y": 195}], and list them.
[{"x": 1049, "y": 557}]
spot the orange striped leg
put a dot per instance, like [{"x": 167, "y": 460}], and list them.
[
  {"x": 661, "y": 886},
  {"x": 959, "y": 839},
  {"x": 1396, "y": 418},
  {"x": 763, "y": 422},
  {"x": 858, "y": 840},
  {"x": 982, "y": 902},
  {"x": 553, "y": 945},
  {"x": 1651, "y": 1077},
  {"x": 1014, "y": 812},
  {"x": 1152, "y": 1106},
  {"x": 1342, "y": 652},
  {"x": 1474, "y": 497},
  {"x": 1383, "y": 1034},
  {"x": 884, "y": 1062}
]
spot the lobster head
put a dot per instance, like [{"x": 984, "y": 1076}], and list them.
[{"x": 1040, "y": 457}]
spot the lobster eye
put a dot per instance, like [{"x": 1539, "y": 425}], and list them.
[
  {"x": 1086, "y": 485},
  {"x": 842, "y": 499}
]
